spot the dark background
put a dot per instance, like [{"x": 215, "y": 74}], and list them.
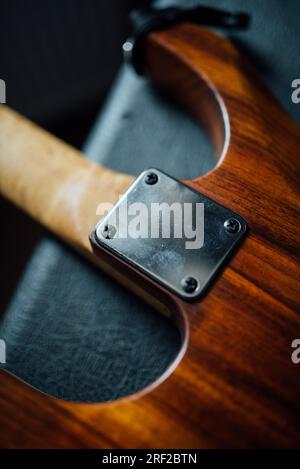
[{"x": 59, "y": 57}]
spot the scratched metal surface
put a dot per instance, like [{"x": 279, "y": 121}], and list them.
[{"x": 171, "y": 257}]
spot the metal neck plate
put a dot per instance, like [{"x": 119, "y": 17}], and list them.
[{"x": 175, "y": 235}]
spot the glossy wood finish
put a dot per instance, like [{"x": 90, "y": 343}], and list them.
[{"x": 234, "y": 383}]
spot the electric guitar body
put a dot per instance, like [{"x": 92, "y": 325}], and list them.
[{"x": 233, "y": 383}]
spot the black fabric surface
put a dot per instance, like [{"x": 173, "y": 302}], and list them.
[{"x": 71, "y": 331}]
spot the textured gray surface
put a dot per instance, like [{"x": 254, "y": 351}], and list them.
[
  {"x": 71, "y": 331},
  {"x": 74, "y": 334},
  {"x": 138, "y": 129}
]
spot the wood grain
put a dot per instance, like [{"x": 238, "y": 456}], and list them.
[{"x": 233, "y": 384}]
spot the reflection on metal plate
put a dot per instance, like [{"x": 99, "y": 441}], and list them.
[{"x": 151, "y": 207}]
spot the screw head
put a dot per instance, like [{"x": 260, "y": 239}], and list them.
[
  {"x": 189, "y": 284},
  {"x": 127, "y": 49},
  {"x": 109, "y": 232},
  {"x": 232, "y": 225},
  {"x": 151, "y": 179}
]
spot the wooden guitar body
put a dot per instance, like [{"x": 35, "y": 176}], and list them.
[{"x": 233, "y": 383}]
